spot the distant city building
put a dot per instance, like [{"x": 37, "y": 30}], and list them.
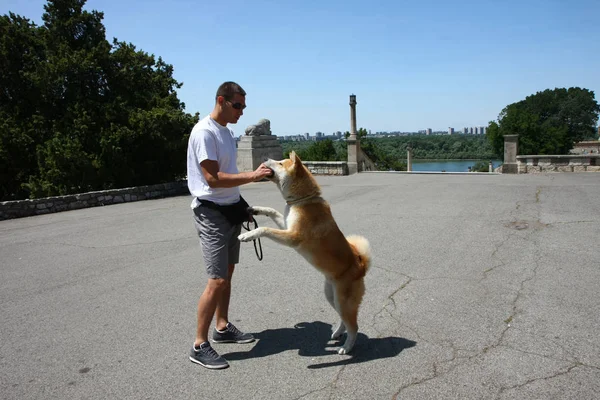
[
  {"x": 293, "y": 138},
  {"x": 586, "y": 147},
  {"x": 338, "y": 135}
]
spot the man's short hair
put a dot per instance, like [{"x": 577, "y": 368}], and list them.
[{"x": 228, "y": 90}]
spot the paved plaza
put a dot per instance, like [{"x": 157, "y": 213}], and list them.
[{"x": 481, "y": 287}]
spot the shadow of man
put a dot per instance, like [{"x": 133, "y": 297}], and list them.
[{"x": 311, "y": 339}]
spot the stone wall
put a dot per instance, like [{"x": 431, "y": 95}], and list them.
[
  {"x": 327, "y": 167},
  {"x": 365, "y": 163},
  {"x": 27, "y": 208},
  {"x": 47, "y": 205},
  {"x": 532, "y": 164}
]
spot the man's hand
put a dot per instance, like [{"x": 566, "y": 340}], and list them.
[{"x": 262, "y": 172}]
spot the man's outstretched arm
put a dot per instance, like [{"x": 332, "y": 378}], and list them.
[{"x": 219, "y": 179}]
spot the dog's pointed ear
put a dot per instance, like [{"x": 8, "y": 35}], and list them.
[{"x": 295, "y": 158}]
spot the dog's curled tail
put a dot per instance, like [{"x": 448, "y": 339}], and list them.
[{"x": 362, "y": 249}]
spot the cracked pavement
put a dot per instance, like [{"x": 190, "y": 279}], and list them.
[{"x": 481, "y": 287}]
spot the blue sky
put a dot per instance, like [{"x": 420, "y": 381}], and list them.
[{"x": 412, "y": 64}]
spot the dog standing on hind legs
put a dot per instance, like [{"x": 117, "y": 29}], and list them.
[{"x": 308, "y": 227}]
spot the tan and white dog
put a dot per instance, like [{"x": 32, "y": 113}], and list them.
[{"x": 308, "y": 227}]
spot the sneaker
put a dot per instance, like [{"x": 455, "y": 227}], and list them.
[
  {"x": 231, "y": 334},
  {"x": 207, "y": 357}
]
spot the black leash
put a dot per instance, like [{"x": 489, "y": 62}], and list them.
[{"x": 256, "y": 250}]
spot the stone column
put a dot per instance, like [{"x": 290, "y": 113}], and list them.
[
  {"x": 491, "y": 167},
  {"x": 253, "y": 150},
  {"x": 353, "y": 142},
  {"x": 510, "y": 165},
  {"x": 409, "y": 159},
  {"x": 353, "y": 116}
]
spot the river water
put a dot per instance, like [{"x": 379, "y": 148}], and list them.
[{"x": 448, "y": 165}]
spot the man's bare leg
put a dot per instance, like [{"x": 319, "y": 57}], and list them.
[
  {"x": 222, "y": 310},
  {"x": 207, "y": 305}
]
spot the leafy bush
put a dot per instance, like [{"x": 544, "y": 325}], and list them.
[
  {"x": 481, "y": 166},
  {"x": 79, "y": 113}
]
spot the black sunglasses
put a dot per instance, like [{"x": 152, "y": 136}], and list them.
[{"x": 237, "y": 106}]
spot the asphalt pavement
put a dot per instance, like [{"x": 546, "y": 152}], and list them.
[{"x": 482, "y": 287}]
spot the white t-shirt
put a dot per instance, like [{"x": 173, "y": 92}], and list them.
[{"x": 211, "y": 141}]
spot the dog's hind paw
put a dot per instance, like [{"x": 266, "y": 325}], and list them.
[
  {"x": 339, "y": 331},
  {"x": 342, "y": 350},
  {"x": 336, "y": 335}
]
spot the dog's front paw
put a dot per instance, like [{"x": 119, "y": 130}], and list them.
[
  {"x": 258, "y": 210},
  {"x": 245, "y": 237}
]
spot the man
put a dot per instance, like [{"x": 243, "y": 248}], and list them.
[{"x": 214, "y": 180}]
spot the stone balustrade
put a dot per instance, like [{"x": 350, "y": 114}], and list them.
[
  {"x": 327, "y": 167},
  {"x": 30, "y": 207},
  {"x": 531, "y": 164}
]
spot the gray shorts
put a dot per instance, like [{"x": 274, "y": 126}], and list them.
[{"x": 218, "y": 240}]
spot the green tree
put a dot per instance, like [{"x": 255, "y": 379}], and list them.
[
  {"x": 548, "y": 122},
  {"x": 481, "y": 166},
  {"x": 322, "y": 150},
  {"x": 384, "y": 159},
  {"x": 79, "y": 113},
  {"x": 360, "y": 133},
  {"x": 22, "y": 50}
]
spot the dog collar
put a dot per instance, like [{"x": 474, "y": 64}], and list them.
[{"x": 296, "y": 201}]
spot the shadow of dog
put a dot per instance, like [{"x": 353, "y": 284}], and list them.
[{"x": 312, "y": 339}]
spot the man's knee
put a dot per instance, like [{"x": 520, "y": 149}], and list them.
[{"x": 217, "y": 284}]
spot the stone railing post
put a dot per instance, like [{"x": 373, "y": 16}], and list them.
[
  {"x": 257, "y": 145},
  {"x": 490, "y": 167},
  {"x": 409, "y": 159},
  {"x": 353, "y": 141},
  {"x": 510, "y": 165}
]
